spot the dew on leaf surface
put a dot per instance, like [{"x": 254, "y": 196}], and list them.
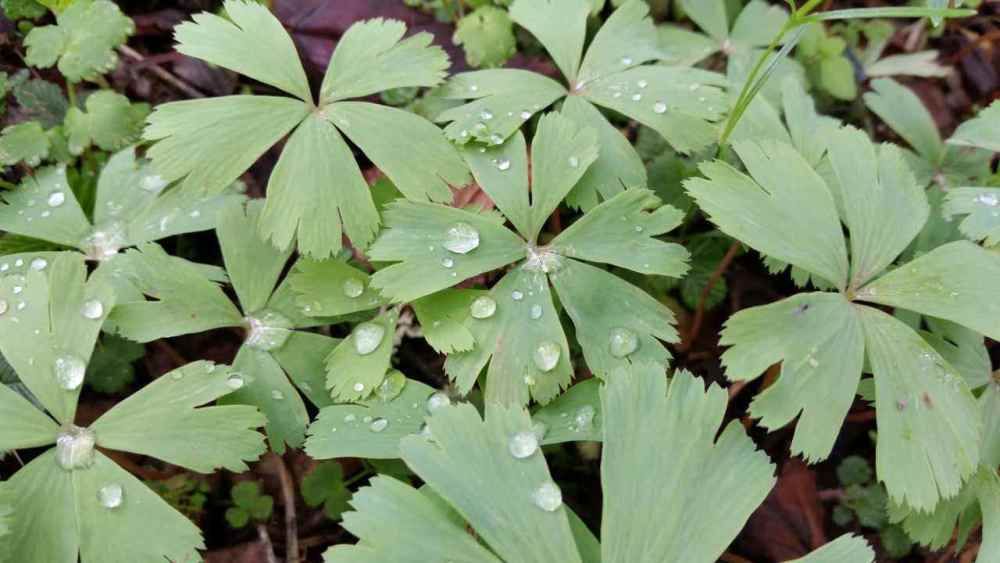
[
  {"x": 110, "y": 496},
  {"x": 483, "y": 307},
  {"x": 461, "y": 238},
  {"x": 523, "y": 444},
  {"x": 367, "y": 337},
  {"x": 547, "y": 496},
  {"x": 546, "y": 356},
  {"x": 623, "y": 342}
]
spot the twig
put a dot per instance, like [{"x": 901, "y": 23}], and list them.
[
  {"x": 699, "y": 313},
  {"x": 266, "y": 540},
  {"x": 288, "y": 497},
  {"x": 163, "y": 74}
]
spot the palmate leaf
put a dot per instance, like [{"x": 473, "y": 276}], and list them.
[
  {"x": 441, "y": 315},
  {"x": 23, "y": 142},
  {"x": 332, "y": 287},
  {"x": 981, "y": 132},
  {"x": 847, "y": 547},
  {"x": 29, "y": 210},
  {"x": 679, "y": 103},
  {"x": 925, "y": 410},
  {"x": 110, "y": 122},
  {"x": 82, "y": 41},
  {"x": 355, "y": 369},
  {"x": 981, "y": 206},
  {"x": 756, "y": 25},
  {"x": 304, "y": 204},
  {"x": 475, "y": 482},
  {"x": 573, "y": 416}
]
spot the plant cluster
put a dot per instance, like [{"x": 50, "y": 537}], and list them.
[{"x": 546, "y": 295}]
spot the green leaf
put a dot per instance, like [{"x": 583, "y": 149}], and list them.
[
  {"x": 237, "y": 517},
  {"x": 785, "y": 210},
  {"x": 573, "y": 416},
  {"x": 42, "y": 101},
  {"x": 162, "y": 420},
  {"x": 982, "y": 209},
  {"x": 332, "y": 287},
  {"x": 110, "y": 369},
  {"x": 818, "y": 339},
  {"x": 854, "y": 470},
  {"x": 43, "y": 499},
  {"x": 83, "y": 40},
  {"x": 658, "y": 432},
  {"x": 627, "y": 38},
  {"x": 22, "y": 9},
  {"x": 345, "y": 430},
  {"x": 682, "y": 47},
  {"x": 254, "y": 266},
  {"x": 962, "y": 348},
  {"x": 250, "y": 41},
  {"x": 351, "y": 375},
  {"x": 372, "y": 56},
  {"x": 441, "y": 315},
  {"x": 622, "y": 231},
  {"x": 487, "y": 36},
  {"x": 950, "y": 282},
  {"x": 836, "y": 76},
  {"x": 468, "y": 464},
  {"x": 29, "y": 210},
  {"x": 618, "y": 166},
  {"x": 923, "y": 63},
  {"x": 195, "y": 137},
  {"x": 928, "y": 425},
  {"x": 324, "y": 485},
  {"x": 560, "y": 27},
  {"x": 678, "y": 102},
  {"x": 43, "y": 326},
  {"x": 616, "y": 322},
  {"x": 804, "y": 122},
  {"x": 502, "y": 172},
  {"x": 24, "y": 141},
  {"x": 521, "y": 337},
  {"x": 424, "y": 529},
  {"x": 416, "y": 156},
  {"x": 758, "y": 24},
  {"x": 503, "y": 99},
  {"x": 710, "y": 15},
  {"x": 110, "y": 122},
  {"x": 416, "y": 237},
  {"x": 27, "y": 427},
  {"x": 302, "y": 357},
  {"x": 184, "y": 300},
  {"x": 847, "y": 547},
  {"x": 884, "y": 207},
  {"x": 267, "y": 388},
  {"x": 903, "y": 111},
  {"x": 305, "y": 203},
  {"x": 982, "y": 132}
]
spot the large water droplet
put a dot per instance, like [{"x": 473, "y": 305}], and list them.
[
  {"x": 546, "y": 356},
  {"x": 523, "y": 444},
  {"x": 56, "y": 199},
  {"x": 39, "y": 264},
  {"x": 379, "y": 424},
  {"x": 353, "y": 287},
  {"x": 367, "y": 337},
  {"x": 92, "y": 309},
  {"x": 483, "y": 307},
  {"x": 502, "y": 164},
  {"x": 486, "y": 115},
  {"x": 461, "y": 238},
  {"x": 988, "y": 199},
  {"x": 536, "y": 312},
  {"x": 496, "y": 139},
  {"x": 547, "y": 496},
  {"x": 69, "y": 371},
  {"x": 75, "y": 448},
  {"x": 516, "y": 295},
  {"x": 358, "y": 387},
  {"x": 438, "y": 400},
  {"x": 110, "y": 496},
  {"x": 659, "y": 107},
  {"x": 391, "y": 386},
  {"x": 235, "y": 381},
  {"x": 623, "y": 342},
  {"x": 626, "y": 60}
]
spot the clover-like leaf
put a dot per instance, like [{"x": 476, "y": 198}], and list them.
[
  {"x": 981, "y": 206},
  {"x": 303, "y": 202},
  {"x": 981, "y": 132},
  {"x": 110, "y": 122},
  {"x": 487, "y": 37},
  {"x": 23, "y": 142},
  {"x": 82, "y": 41}
]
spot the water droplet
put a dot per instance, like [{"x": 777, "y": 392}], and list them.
[
  {"x": 379, "y": 424},
  {"x": 813, "y": 362},
  {"x": 267, "y": 330},
  {"x": 438, "y": 400},
  {"x": 56, "y": 199},
  {"x": 366, "y": 419},
  {"x": 574, "y": 162},
  {"x": 75, "y": 448},
  {"x": 546, "y": 356},
  {"x": 353, "y": 287},
  {"x": 516, "y": 295},
  {"x": 616, "y": 95},
  {"x": 473, "y": 88},
  {"x": 350, "y": 418},
  {"x": 391, "y": 386},
  {"x": 461, "y": 238},
  {"x": 39, "y": 264},
  {"x": 638, "y": 228},
  {"x": 623, "y": 342},
  {"x": 483, "y": 307},
  {"x": 636, "y": 97},
  {"x": 642, "y": 84},
  {"x": 626, "y": 60},
  {"x": 69, "y": 371},
  {"x": 523, "y": 444},
  {"x": 496, "y": 139},
  {"x": 536, "y": 312},
  {"x": 502, "y": 164},
  {"x": 102, "y": 244},
  {"x": 177, "y": 375},
  {"x": 525, "y": 114},
  {"x": 447, "y": 262},
  {"x": 988, "y": 199},
  {"x": 529, "y": 381},
  {"x": 486, "y": 115},
  {"x": 110, "y": 495},
  {"x": 3, "y": 306},
  {"x": 92, "y": 309},
  {"x": 358, "y": 387},
  {"x": 235, "y": 381},
  {"x": 367, "y": 337},
  {"x": 583, "y": 418},
  {"x": 547, "y": 496},
  {"x": 17, "y": 289},
  {"x": 277, "y": 395},
  {"x": 659, "y": 107}
]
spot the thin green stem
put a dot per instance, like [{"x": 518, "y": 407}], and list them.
[
  {"x": 7, "y": 185},
  {"x": 71, "y": 94}
]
